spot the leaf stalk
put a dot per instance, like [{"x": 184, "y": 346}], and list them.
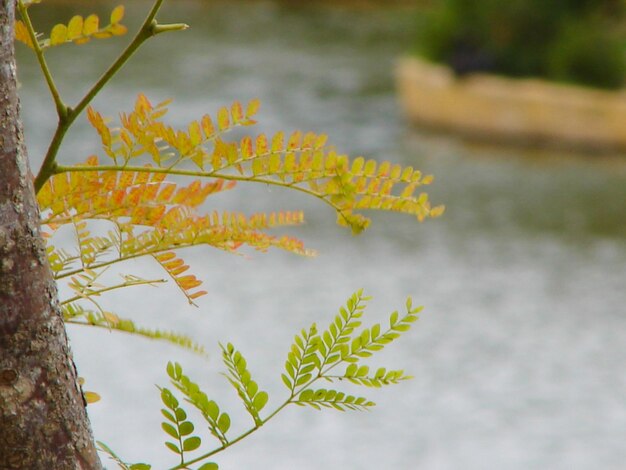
[{"x": 67, "y": 116}]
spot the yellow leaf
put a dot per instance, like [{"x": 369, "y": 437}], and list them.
[
  {"x": 102, "y": 34},
  {"x": 294, "y": 140},
  {"x": 75, "y": 27},
  {"x": 253, "y": 107},
  {"x": 21, "y": 34},
  {"x": 246, "y": 147},
  {"x": 278, "y": 142},
  {"x": 357, "y": 165},
  {"x": 111, "y": 317},
  {"x": 58, "y": 35},
  {"x": 195, "y": 134},
  {"x": 237, "y": 112},
  {"x": 437, "y": 211},
  {"x": 117, "y": 29},
  {"x": 383, "y": 169},
  {"x": 223, "y": 119},
  {"x": 90, "y": 25},
  {"x": 370, "y": 168},
  {"x": 117, "y": 14},
  {"x": 207, "y": 126},
  {"x": 91, "y": 397},
  {"x": 406, "y": 174},
  {"x": 427, "y": 179},
  {"x": 262, "y": 145},
  {"x": 320, "y": 141}
]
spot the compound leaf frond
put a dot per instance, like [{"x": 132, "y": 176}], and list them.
[
  {"x": 239, "y": 377},
  {"x": 323, "y": 398},
  {"x": 75, "y": 314},
  {"x": 299, "y": 160},
  {"x": 78, "y": 30}
]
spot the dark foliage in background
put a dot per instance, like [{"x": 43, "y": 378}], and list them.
[{"x": 574, "y": 41}]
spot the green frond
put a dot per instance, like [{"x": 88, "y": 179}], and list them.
[
  {"x": 177, "y": 426},
  {"x": 302, "y": 359},
  {"x": 371, "y": 340},
  {"x": 323, "y": 398},
  {"x": 359, "y": 375},
  {"x": 334, "y": 344},
  {"x": 239, "y": 377},
  {"x": 75, "y": 314},
  {"x": 218, "y": 421}
]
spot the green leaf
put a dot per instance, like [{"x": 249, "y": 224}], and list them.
[
  {"x": 181, "y": 415},
  {"x": 286, "y": 381},
  {"x": 213, "y": 411},
  {"x": 303, "y": 379},
  {"x": 168, "y": 415},
  {"x": 140, "y": 466},
  {"x": 186, "y": 428},
  {"x": 169, "y": 429},
  {"x": 223, "y": 423},
  {"x": 191, "y": 443},
  {"x": 260, "y": 400},
  {"x": 173, "y": 447},
  {"x": 209, "y": 466}
]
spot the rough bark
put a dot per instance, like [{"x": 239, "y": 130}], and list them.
[{"x": 43, "y": 421}]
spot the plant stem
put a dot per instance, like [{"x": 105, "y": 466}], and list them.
[
  {"x": 234, "y": 441},
  {"x": 61, "y": 107},
  {"x": 148, "y": 29},
  {"x": 96, "y": 292}
]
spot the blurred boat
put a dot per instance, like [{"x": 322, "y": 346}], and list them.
[{"x": 529, "y": 112}]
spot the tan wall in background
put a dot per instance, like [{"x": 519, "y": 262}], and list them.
[{"x": 520, "y": 110}]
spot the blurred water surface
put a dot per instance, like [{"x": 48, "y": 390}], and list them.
[{"x": 519, "y": 357}]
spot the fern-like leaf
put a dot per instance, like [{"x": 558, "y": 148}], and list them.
[
  {"x": 76, "y": 314},
  {"x": 239, "y": 377},
  {"x": 177, "y": 426},
  {"x": 332, "y": 399},
  {"x": 302, "y": 359},
  {"x": 360, "y": 376},
  {"x": 218, "y": 421},
  {"x": 300, "y": 160},
  {"x": 151, "y": 217},
  {"x": 371, "y": 340},
  {"x": 335, "y": 340},
  {"x": 78, "y": 30}
]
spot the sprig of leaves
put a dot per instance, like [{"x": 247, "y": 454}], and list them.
[
  {"x": 312, "y": 357},
  {"x": 239, "y": 377},
  {"x": 217, "y": 420},
  {"x": 301, "y": 161},
  {"x": 78, "y": 30},
  {"x": 177, "y": 426}
]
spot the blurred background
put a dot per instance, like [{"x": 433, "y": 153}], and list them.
[{"x": 519, "y": 356}]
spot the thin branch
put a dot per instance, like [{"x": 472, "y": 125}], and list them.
[
  {"x": 97, "y": 292},
  {"x": 61, "y": 107},
  {"x": 149, "y": 28}
]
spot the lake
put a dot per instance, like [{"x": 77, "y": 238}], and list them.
[{"x": 519, "y": 357}]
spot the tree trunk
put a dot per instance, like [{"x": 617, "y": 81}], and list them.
[{"x": 43, "y": 421}]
